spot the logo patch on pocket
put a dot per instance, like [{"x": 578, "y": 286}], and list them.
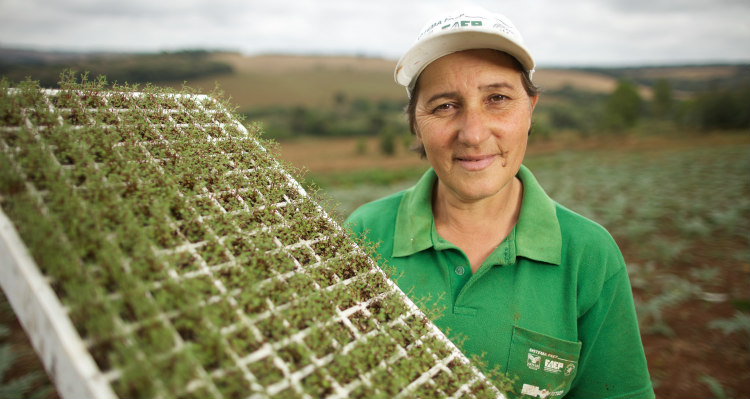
[
  {"x": 552, "y": 366},
  {"x": 545, "y": 366},
  {"x": 534, "y": 362},
  {"x": 552, "y": 363}
]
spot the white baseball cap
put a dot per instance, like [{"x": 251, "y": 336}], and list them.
[{"x": 474, "y": 28}]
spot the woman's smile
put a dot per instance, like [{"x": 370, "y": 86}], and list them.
[{"x": 476, "y": 163}]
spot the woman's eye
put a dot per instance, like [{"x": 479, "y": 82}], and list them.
[
  {"x": 496, "y": 98},
  {"x": 443, "y": 107}
]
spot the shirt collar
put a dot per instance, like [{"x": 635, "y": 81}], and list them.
[
  {"x": 414, "y": 219},
  {"x": 537, "y": 233}
]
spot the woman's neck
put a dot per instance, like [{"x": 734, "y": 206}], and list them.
[{"x": 477, "y": 227}]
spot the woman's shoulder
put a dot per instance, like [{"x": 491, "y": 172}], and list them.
[
  {"x": 374, "y": 208},
  {"x": 375, "y": 212},
  {"x": 575, "y": 225},
  {"x": 586, "y": 240}
]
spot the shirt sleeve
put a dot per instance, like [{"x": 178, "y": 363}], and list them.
[{"x": 612, "y": 363}]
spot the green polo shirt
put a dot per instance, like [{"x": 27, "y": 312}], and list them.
[{"x": 552, "y": 304}]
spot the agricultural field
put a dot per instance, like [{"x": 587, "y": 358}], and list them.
[
  {"x": 682, "y": 218},
  {"x": 679, "y": 209},
  {"x": 289, "y": 80}
]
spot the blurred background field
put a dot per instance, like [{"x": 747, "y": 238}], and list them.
[{"x": 658, "y": 155}]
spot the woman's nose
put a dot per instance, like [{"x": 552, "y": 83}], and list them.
[{"x": 475, "y": 127}]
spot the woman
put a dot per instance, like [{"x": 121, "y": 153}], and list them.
[{"x": 536, "y": 289}]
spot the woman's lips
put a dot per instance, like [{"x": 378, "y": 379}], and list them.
[{"x": 476, "y": 162}]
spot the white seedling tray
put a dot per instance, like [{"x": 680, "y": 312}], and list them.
[
  {"x": 63, "y": 353},
  {"x": 68, "y": 359}
]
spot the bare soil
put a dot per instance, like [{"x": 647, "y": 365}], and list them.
[{"x": 680, "y": 363}]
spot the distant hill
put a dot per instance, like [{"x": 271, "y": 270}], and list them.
[
  {"x": 318, "y": 81},
  {"x": 46, "y": 67},
  {"x": 315, "y": 80}
]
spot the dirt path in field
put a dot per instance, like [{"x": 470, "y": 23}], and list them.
[
  {"x": 326, "y": 155},
  {"x": 340, "y": 155}
]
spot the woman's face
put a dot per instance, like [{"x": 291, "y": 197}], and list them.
[{"x": 473, "y": 117}]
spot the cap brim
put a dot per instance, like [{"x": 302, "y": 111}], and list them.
[{"x": 430, "y": 49}]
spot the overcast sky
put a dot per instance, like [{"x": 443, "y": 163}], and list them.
[{"x": 559, "y": 32}]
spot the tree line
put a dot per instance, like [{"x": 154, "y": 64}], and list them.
[
  {"x": 586, "y": 113},
  {"x": 120, "y": 68},
  {"x": 626, "y": 109}
]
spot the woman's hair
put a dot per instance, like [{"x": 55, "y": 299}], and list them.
[{"x": 411, "y": 109}]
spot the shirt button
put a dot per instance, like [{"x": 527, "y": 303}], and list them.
[{"x": 460, "y": 270}]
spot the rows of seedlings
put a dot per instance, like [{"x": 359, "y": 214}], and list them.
[{"x": 192, "y": 265}]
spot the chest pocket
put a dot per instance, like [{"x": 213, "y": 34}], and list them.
[{"x": 545, "y": 366}]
